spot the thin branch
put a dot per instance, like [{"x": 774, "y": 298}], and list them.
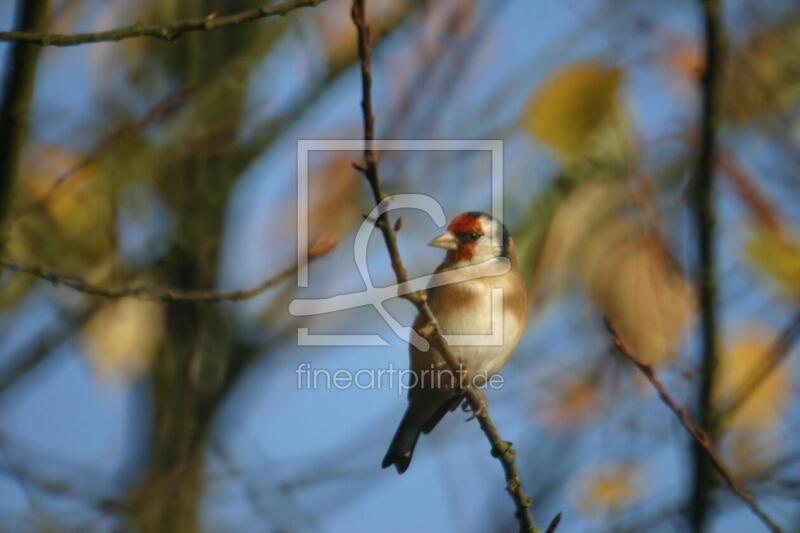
[
  {"x": 500, "y": 448},
  {"x": 703, "y": 212},
  {"x": 168, "y": 32},
  {"x": 554, "y": 524},
  {"x": 16, "y": 96},
  {"x": 700, "y": 437},
  {"x": 766, "y": 212},
  {"x": 163, "y": 294}
]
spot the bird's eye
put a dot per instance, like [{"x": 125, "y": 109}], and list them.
[{"x": 473, "y": 235}]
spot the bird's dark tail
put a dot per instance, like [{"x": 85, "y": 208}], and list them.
[
  {"x": 405, "y": 439},
  {"x": 420, "y": 417}
]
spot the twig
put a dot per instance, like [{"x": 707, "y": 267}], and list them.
[
  {"x": 554, "y": 524},
  {"x": 15, "y": 100},
  {"x": 703, "y": 212},
  {"x": 168, "y": 32},
  {"x": 700, "y": 437},
  {"x": 765, "y": 211},
  {"x": 501, "y": 449},
  {"x": 163, "y": 294}
]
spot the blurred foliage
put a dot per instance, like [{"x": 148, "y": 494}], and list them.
[
  {"x": 767, "y": 402},
  {"x": 123, "y": 337},
  {"x": 572, "y": 105},
  {"x": 609, "y": 489},
  {"x": 145, "y": 192},
  {"x": 778, "y": 257},
  {"x": 572, "y": 402},
  {"x": 764, "y": 72}
]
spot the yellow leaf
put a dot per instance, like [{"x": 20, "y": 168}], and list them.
[
  {"x": 573, "y": 401},
  {"x": 570, "y": 106},
  {"x": 572, "y": 222},
  {"x": 766, "y": 403},
  {"x": 777, "y": 257},
  {"x": 635, "y": 282},
  {"x": 628, "y": 272},
  {"x": 610, "y": 489},
  {"x": 749, "y": 453},
  {"x": 62, "y": 183},
  {"x": 122, "y": 338}
]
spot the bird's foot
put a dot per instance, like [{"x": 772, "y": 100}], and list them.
[{"x": 467, "y": 408}]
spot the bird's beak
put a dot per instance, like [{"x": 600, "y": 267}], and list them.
[{"x": 446, "y": 240}]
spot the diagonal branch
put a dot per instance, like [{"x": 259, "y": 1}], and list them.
[
  {"x": 163, "y": 294},
  {"x": 500, "y": 448},
  {"x": 42, "y": 348},
  {"x": 700, "y": 437},
  {"x": 168, "y": 32}
]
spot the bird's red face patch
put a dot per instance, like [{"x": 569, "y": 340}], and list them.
[{"x": 462, "y": 226}]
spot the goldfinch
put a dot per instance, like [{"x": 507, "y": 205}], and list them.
[{"x": 462, "y": 308}]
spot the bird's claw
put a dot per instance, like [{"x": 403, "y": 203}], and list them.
[{"x": 467, "y": 408}]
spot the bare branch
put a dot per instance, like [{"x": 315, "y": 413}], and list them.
[
  {"x": 501, "y": 449},
  {"x": 700, "y": 437},
  {"x": 163, "y": 294},
  {"x": 168, "y": 32},
  {"x": 703, "y": 213},
  {"x": 15, "y": 99}
]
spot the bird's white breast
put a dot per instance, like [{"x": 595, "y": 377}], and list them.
[{"x": 485, "y": 336}]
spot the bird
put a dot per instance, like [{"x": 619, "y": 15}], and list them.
[{"x": 460, "y": 308}]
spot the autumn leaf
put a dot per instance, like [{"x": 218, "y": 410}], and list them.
[
  {"x": 635, "y": 282},
  {"x": 626, "y": 269},
  {"x": 63, "y": 185},
  {"x": 766, "y": 402},
  {"x": 571, "y": 402},
  {"x": 776, "y": 256},
  {"x": 568, "y": 229},
  {"x": 749, "y": 453},
  {"x": 570, "y": 106},
  {"x": 122, "y": 338},
  {"x": 761, "y": 74},
  {"x": 610, "y": 489}
]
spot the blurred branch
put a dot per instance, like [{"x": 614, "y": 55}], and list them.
[
  {"x": 163, "y": 294},
  {"x": 16, "y": 99},
  {"x": 700, "y": 437},
  {"x": 766, "y": 212},
  {"x": 168, "y": 32},
  {"x": 703, "y": 212},
  {"x": 338, "y": 65},
  {"x": 42, "y": 348},
  {"x": 776, "y": 353},
  {"x": 163, "y": 108},
  {"x": 501, "y": 449}
]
